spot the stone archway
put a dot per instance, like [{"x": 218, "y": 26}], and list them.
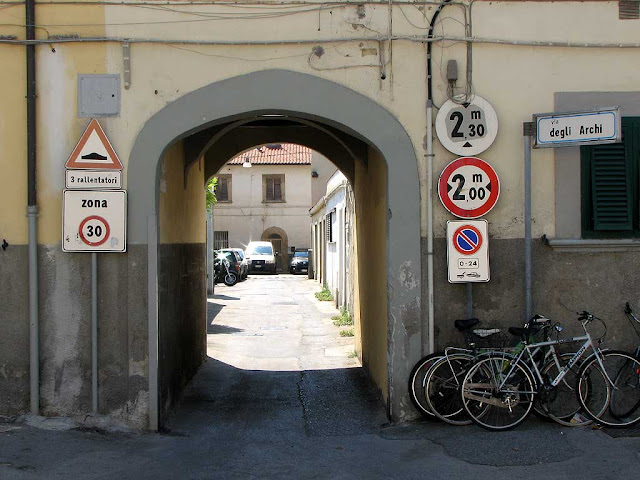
[
  {"x": 280, "y": 239},
  {"x": 337, "y": 107}
]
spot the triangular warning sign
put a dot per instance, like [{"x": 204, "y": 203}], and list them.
[{"x": 94, "y": 151}]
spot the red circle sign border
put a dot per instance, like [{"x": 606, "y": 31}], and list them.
[
  {"x": 106, "y": 226},
  {"x": 491, "y": 200},
  {"x": 477, "y": 232}
]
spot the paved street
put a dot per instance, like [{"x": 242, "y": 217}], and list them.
[{"x": 280, "y": 397}]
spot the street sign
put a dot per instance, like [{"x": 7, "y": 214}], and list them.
[
  {"x": 94, "y": 151},
  {"x": 467, "y": 251},
  {"x": 94, "y": 221},
  {"x": 467, "y": 129},
  {"x": 468, "y": 187},
  {"x": 467, "y": 240},
  {"x": 571, "y": 129},
  {"x": 83, "y": 179}
]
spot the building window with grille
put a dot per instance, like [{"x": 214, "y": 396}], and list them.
[
  {"x": 273, "y": 188},
  {"x": 331, "y": 216},
  {"x": 223, "y": 189},
  {"x": 220, "y": 239},
  {"x": 610, "y": 185}
]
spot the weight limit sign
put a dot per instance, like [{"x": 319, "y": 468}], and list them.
[{"x": 468, "y": 187}]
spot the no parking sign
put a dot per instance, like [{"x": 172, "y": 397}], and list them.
[{"x": 468, "y": 251}]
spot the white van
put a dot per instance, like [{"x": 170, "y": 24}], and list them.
[{"x": 261, "y": 257}]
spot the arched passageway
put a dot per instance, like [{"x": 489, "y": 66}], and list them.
[
  {"x": 367, "y": 143},
  {"x": 280, "y": 240}
]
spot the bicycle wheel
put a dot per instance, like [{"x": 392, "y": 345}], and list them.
[
  {"x": 417, "y": 380},
  {"x": 560, "y": 403},
  {"x": 505, "y": 390},
  {"x": 613, "y": 396},
  {"x": 625, "y": 401},
  {"x": 442, "y": 388}
]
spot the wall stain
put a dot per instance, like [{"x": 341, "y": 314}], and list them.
[{"x": 406, "y": 277}]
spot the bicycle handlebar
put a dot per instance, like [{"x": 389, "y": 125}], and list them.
[{"x": 584, "y": 315}]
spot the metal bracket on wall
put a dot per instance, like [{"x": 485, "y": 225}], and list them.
[
  {"x": 529, "y": 129},
  {"x": 126, "y": 60}
]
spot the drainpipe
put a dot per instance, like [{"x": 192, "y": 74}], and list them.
[
  {"x": 32, "y": 212},
  {"x": 427, "y": 206},
  {"x": 429, "y": 213}
]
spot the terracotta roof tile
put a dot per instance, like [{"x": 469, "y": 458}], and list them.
[{"x": 275, "y": 154}]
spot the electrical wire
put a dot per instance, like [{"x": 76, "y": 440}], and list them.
[
  {"x": 231, "y": 57},
  {"x": 409, "y": 38}
]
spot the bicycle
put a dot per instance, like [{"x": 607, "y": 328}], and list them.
[
  {"x": 417, "y": 376},
  {"x": 627, "y": 377},
  {"x": 442, "y": 381},
  {"x": 507, "y": 386}
]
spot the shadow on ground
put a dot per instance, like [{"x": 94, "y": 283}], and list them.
[{"x": 301, "y": 403}]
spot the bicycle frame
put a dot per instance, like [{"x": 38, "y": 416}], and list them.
[{"x": 533, "y": 348}]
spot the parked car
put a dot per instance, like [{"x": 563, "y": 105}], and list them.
[
  {"x": 299, "y": 262},
  {"x": 261, "y": 257},
  {"x": 244, "y": 265},
  {"x": 231, "y": 257}
]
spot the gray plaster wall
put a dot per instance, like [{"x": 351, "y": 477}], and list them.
[
  {"x": 563, "y": 283},
  {"x": 14, "y": 325},
  {"x": 182, "y": 318},
  {"x": 65, "y": 334}
]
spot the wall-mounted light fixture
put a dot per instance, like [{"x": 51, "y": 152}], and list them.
[{"x": 247, "y": 162}]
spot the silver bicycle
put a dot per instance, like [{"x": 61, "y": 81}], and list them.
[{"x": 507, "y": 385}]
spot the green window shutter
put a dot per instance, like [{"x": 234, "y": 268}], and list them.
[{"x": 612, "y": 184}]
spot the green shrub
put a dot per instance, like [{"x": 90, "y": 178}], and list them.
[
  {"x": 343, "y": 319},
  {"x": 324, "y": 295}
]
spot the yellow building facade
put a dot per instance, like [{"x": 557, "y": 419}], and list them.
[{"x": 188, "y": 75}]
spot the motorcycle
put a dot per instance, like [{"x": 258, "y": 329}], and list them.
[{"x": 222, "y": 271}]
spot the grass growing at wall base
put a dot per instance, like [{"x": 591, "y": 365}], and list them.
[
  {"x": 346, "y": 333},
  {"x": 343, "y": 319},
  {"x": 324, "y": 295}
]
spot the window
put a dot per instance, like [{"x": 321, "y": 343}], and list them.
[
  {"x": 610, "y": 185},
  {"x": 330, "y": 219},
  {"x": 220, "y": 239},
  {"x": 223, "y": 189},
  {"x": 273, "y": 188}
]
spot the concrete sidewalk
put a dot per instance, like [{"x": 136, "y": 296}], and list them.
[{"x": 274, "y": 400}]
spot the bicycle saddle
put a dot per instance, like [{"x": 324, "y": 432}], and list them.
[
  {"x": 466, "y": 324},
  {"x": 519, "y": 331}
]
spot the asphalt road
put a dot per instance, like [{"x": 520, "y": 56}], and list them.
[{"x": 280, "y": 397}]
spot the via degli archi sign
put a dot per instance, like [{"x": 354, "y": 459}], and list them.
[
  {"x": 570, "y": 129},
  {"x": 94, "y": 215},
  {"x": 468, "y": 187}
]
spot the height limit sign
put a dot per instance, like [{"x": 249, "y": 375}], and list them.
[
  {"x": 467, "y": 251},
  {"x": 94, "y": 221}
]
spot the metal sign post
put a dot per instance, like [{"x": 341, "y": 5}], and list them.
[
  {"x": 562, "y": 129},
  {"x": 528, "y": 130},
  {"x": 94, "y": 220}
]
